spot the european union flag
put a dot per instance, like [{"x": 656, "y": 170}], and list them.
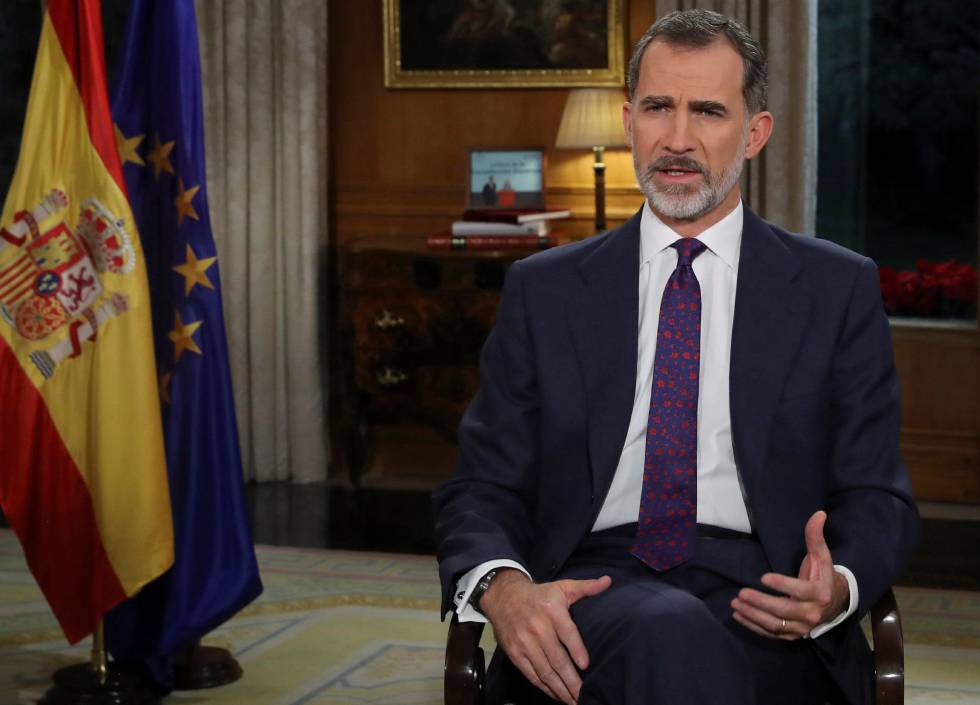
[{"x": 156, "y": 106}]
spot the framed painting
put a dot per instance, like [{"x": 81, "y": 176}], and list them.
[{"x": 503, "y": 43}]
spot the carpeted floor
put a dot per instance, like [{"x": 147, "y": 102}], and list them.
[{"x": 345, "y": 628}]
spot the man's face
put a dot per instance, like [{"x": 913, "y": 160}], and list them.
[{"x": 688, "y": 129}]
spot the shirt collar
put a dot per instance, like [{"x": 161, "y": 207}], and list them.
[{"x": 724, "y": 238}]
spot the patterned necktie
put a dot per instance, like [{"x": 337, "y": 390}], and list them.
[{"x": 668, "y": 504}]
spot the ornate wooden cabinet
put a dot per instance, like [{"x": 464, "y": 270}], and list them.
[{"x": 412, "y": 323}]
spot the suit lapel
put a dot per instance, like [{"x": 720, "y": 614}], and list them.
[
  {"x": 770, "y": 318},
  {"x": 603, "y": 316},
  {"x": 603, "y": 319}
]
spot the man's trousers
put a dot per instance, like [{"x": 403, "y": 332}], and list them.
[{"x": 670, "y": 639}]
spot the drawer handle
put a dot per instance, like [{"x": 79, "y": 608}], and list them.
[
  {"x": 391, "y": 378},
  {"x": 387, "y": 321}
]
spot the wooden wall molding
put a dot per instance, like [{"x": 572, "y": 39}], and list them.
[
  {"x": 939, "y": 366},
  {"x": 448, "y": 214},
  {"x": 942, "y": 474},
  {"x": 366, "y": 209},
  {"x": 941, "y": 437},
  {"x": 349, "y": 192},
  {"x": 943, "y": 464},
  {"x": 947, "y": 334}
]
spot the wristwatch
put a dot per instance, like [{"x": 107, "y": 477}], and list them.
[{"x": 480, "y": 590}]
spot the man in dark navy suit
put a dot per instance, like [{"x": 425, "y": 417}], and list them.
[{"x": 680, "y": 479}]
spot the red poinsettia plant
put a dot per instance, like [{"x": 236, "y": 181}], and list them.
[{"x": 933, "y": 289}]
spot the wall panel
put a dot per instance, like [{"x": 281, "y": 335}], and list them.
[
  {"x": 399, "y": 156},
  {"x": 940, "y": 372}
]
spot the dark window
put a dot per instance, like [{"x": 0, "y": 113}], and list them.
[{"x": 899, "y": 159}]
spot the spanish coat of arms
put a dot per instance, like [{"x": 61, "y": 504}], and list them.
[{"x": 50, "y": 285}]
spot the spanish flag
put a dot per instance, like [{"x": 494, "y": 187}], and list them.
[{"x": 82, "y": 472}]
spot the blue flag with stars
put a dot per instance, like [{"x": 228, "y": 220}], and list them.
[{"x": 157, "y": 110}]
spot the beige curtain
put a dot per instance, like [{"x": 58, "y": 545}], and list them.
[
  {"x": 264, "y": 73},
  {"x": 782, "y": 181}
]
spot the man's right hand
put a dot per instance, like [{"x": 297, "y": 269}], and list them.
[{"x": 532, "y": 624}]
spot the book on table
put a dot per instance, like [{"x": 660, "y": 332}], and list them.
[
  {"x": 448, "y": 241},
  {"x": 516, "y": 215},
  {"x": 465, "y": 228}
]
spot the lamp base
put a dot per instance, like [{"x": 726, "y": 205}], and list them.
[{"x": 600, "y": 189}]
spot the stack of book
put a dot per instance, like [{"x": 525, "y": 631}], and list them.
[{"x": 495, "y": 229}]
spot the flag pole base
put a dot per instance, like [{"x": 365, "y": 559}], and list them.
[
  {"x": 79, "y": 685},
  {"x": 200, "y": 667}
]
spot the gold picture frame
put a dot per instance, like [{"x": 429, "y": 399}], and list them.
[{"x": 568, "y": 58}]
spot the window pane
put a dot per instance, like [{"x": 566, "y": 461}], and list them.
[{"x": 899, "y": 174}]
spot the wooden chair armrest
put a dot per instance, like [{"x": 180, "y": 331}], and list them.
[
  {"x": 889, "y": 651},
  {"x": 465, "y": 668}
]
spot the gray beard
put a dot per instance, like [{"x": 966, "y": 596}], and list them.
[{"x": 685, "y": 202}]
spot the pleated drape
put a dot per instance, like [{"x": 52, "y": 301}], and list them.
[{"x": 264, "y": 65}]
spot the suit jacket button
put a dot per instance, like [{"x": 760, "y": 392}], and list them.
[{"x": 553, "y": 567}]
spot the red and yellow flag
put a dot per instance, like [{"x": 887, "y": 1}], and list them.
[{"x": 82, "y": 472}]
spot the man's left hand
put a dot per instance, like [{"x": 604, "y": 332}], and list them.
[{"x": 817, "y": 596}]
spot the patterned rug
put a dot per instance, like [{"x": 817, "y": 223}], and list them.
[{"x": 349, "y": 628}]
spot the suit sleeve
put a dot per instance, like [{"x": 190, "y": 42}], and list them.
[
  {"x": 872, "y": 520},
  {"x": 484, "y": 511}
]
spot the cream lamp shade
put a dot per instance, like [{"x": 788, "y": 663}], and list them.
[{"x": 592, "y": 118}]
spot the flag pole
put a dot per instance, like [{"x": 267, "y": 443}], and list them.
[
  {"x": 98, "y": 682},
  {"x": 100, "y": 664}
]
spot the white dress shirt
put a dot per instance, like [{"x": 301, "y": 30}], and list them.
[{"x": 720, "y": 501}]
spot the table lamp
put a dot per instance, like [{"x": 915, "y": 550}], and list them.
[{"x": 593, "y": 119}]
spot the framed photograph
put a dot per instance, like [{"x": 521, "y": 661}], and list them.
[
  {"x": 508, "y": 179},
  {"x": 503, "y": 43}
]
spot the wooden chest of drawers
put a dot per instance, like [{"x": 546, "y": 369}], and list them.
[{"x": 412, "y": 323}]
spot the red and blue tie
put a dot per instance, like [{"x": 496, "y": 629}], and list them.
[{"x": 665, "y": 533}]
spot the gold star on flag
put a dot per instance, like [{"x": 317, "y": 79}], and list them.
[
  {"x": 160, "y": 156},
  {"x": 194, "y": 271},
  {"x": 127, "y": 147},
  {"x": 182, "y": 336},
  {"x": 165, "y": 387},
  {"x": 183, "y": 201}
]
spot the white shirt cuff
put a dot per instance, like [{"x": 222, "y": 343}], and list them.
[
  {"x": 852, "y": 587},
  {"x": 468, "y": 583}
]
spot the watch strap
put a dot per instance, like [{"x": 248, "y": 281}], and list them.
[{"x": 481, "y": 588}]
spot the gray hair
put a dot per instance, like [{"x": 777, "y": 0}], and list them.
[{"x": 696, "y": 29}]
